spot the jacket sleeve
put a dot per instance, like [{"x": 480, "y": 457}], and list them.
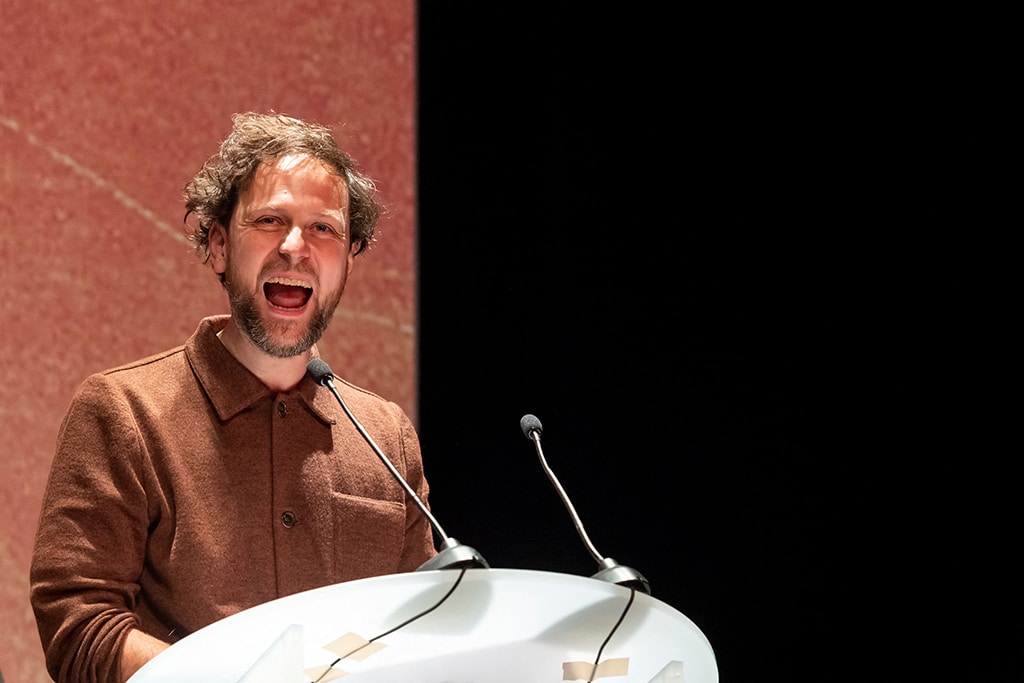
[{"x": 90, "y": 543}]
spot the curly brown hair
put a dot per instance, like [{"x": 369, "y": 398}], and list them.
[{"x": 211, "y": 196}]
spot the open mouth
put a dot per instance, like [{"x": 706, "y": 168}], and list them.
[{"x": 286, "y": 293}]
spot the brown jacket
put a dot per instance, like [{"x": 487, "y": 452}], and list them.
[{"x": 183, "y": 490}]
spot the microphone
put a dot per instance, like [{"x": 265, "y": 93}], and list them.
[
  {"x": 452, "y": 555},
  {"x": 609, "y": 569}
]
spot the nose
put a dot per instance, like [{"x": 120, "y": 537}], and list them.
[{"x": 294, "y": 245}]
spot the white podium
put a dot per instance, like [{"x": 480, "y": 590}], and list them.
[{"x": 496, "y": 626}]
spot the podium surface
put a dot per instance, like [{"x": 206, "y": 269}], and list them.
[{"x": 447, "y": 626}]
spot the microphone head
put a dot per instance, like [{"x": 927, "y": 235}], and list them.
[
  {"x": 319, "y": 371},
  {"x": 530, "y": 424}
]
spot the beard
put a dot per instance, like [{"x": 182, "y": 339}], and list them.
[{"x": 267, "y": 335}]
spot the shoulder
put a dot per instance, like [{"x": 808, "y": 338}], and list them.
[
  {"x": 155, "y": 363},
  {"x": 139, "y": 376},
  {"x": 369, "y": 406}
]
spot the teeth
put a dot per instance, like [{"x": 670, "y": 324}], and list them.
[{"x": 289, "y": 281}]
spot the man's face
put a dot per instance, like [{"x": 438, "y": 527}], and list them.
[{"x": 286, "y": 254}]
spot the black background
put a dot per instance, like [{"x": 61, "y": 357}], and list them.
[
  {"x": 648, "y": 229},
  {"x": 607, "y": 241}
]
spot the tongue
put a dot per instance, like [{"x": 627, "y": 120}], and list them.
[{"x": 285, "y": 296}]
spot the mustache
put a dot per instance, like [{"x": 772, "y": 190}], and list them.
[{"x": 283, "y": 266}]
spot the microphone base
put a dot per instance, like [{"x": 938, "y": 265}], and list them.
[
  {"x": 613, "y": 572},
  {"x": 454, "y": 555}
]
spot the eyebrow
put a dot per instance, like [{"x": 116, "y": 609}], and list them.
[{"x": 332, "y": 213}]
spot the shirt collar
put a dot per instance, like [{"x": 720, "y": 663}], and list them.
[{"x": 229, "y": 385}]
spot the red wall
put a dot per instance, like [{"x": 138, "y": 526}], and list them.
[{"x": 106, "y": 110}]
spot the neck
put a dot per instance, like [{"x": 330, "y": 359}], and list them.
[{"x": 279, "y": 374}]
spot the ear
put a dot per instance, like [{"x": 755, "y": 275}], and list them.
[
  {"x": 352, "y": 257},
  {"x": 218, "y": 240}
]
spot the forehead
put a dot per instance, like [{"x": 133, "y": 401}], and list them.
[{"x": 297, "y": 176}]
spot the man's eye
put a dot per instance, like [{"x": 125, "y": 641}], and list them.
[{"x": 322, "y": 228}]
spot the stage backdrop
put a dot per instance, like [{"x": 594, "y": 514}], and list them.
[{"x": 107, "y": 108}]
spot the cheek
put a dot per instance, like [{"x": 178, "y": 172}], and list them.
[{"x": 335, "y": 276}]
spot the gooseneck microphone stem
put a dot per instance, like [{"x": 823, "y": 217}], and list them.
[
  {"x": 453, "y": 555},
  {"x": 610, "y": 570},
  {"x": 387, "y": 463},
  {"x": 534, "y": 436}
]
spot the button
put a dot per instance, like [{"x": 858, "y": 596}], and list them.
[
  {"x": 289, "y": 519},
  {"x": 282, "y": 408}
]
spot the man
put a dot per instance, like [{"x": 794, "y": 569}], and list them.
[{"x": 216, "y": 476}]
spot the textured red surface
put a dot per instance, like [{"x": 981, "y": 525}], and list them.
[{"x": 106, "y": 110}]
